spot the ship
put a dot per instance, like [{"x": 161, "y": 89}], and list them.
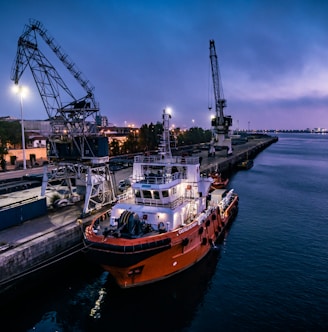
[
  {"x": 245, "y": 165},
  {"x": 164, "y": 223},
  {"x": 218, "y": 181}
]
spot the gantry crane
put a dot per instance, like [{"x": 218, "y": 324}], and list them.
[
  {"x": 75, "y": 145},
  {"x": 220, "y": 123}
]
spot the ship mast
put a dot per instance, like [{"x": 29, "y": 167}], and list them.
[{"x": 165, "y": 145}]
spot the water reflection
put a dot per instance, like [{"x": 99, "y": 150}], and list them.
[
  {"x": 78, "y": 296},
  {"x": 166, "y": 306}
]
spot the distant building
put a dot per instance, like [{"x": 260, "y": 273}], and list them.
[
  {"x": 41, "y": 127},
  {"x": 320, "y": 130},
  {"x": 35, "y": 145},
  {"x": 102, "y": 121}
]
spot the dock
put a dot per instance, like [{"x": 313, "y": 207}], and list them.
[{"x": 36, "y": 243}]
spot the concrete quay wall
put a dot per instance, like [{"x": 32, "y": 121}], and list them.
[
  {"x": 46, "y": 248},
  {"x": 242, "y": 152}
]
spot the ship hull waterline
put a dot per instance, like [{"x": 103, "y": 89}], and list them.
[{"x": 141, "y": 261}]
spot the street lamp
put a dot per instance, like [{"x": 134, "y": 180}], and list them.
[{"x": 21, "y": 90}]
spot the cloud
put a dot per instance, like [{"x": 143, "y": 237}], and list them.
[{"x": 144, "y": 55}]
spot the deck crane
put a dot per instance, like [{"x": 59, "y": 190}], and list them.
[
  {"x": 220, "y": 123},
  {"x": 74, "y": 142}
]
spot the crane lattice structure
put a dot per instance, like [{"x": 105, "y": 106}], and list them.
[
  {"x": 74, "y": 144},
  {"x": 220, "y": 123}
]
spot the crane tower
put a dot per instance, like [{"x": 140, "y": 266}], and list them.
[
  {"x": 220, "y": 123},
  {"x": 74, "y": 145}
]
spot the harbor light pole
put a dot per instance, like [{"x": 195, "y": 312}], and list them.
[{"x": 21, "y": 90}]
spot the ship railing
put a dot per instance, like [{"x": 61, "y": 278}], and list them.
[
  {"x": 160, "y": 203},
  {"x": 128, "y": 194},
  {"x": 158, "y": 159},
  {"x": 160, "y": 178}
]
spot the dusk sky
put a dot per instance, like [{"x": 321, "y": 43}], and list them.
[{"x": 143, "y": 56}]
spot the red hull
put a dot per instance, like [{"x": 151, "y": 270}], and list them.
[{"x": 183, "y": 248}]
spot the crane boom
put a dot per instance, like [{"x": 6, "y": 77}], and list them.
[
  {"x": 220, "y": 122},
  {"x": 220, "y": 102},
  {"x": 69, "y": 116},
  {"x": 28, "y": 51},
  {"x": 74, "y": 143}
]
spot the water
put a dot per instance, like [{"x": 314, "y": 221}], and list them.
[{"x": 269, "y": 274}]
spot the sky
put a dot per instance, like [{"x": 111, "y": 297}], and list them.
[{"x": 143, "y": 56}]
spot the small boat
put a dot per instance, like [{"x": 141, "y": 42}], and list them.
[
  {"x": 166, "y": 222},
  {"x": 218, "y": 181},
  {"x": 245, "y": 165}
]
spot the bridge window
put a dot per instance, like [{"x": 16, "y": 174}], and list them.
[
  {"x": 165, "y": 193},
  {"x": 146, "y": 194}
]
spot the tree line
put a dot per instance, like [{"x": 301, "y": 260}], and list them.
[
  {"x": 10, "y": 136},
  {"x": 146, "y": 138}
]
